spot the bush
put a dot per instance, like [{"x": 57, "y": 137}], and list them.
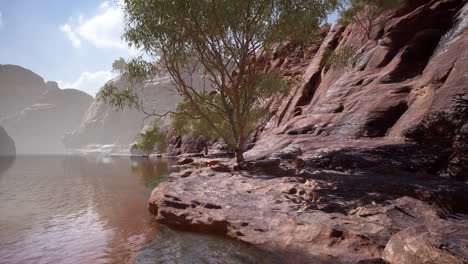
[{"x": 341, "y": 59}]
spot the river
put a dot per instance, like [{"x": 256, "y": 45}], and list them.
[{"x": 93, "y": 209}]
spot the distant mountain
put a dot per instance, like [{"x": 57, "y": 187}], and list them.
[
  {"x": 19, "y": 88},
  {"x": 37, "y": 114}
]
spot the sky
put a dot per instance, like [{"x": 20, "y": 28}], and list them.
[{"x": 71, "y": 42}]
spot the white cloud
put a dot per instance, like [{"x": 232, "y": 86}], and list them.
[
  {"x": 102, "y": 30},
  {"x": 89, "y": 82},
  {"x": 104, "y": 4},
  {"x": 76, "y": 42},
  {"x": 105, "y": 29},
  {"x": 1, "y": 19}
]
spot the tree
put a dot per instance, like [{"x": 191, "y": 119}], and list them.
[
  {"x": 150, "y": 139},
  {"x": 365, "y": 13},
  {"x": 226, "y": 40},
  {"x": 340, "y": 59},
  {"x": 119, "y": 65}
]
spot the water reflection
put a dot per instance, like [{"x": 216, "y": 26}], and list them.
[
  {"x": 76, "y": 209},
  {"x": 93, "y": 209},
  {"x": 147, "y": 169},
  {"x": 5, "y": 163}
]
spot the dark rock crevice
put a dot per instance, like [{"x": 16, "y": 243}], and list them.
[{"x": 381, "y": 121}]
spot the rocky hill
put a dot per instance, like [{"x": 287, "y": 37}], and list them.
[
  {"x": 37, "y": 114},
  {"x": 363, "y": 164},
  {"x": 19, "y": 88}
]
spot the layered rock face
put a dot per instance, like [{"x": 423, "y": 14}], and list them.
[
  {"x": 7, "y": 145},
  {"x": 360, "y": 165},
  {"x": 37, "y": 114},
  {"x": 411, "y": 70}
]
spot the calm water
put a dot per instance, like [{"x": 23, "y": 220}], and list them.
[{"x": 89, "y": 209}]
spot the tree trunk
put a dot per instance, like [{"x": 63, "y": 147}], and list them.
[
  {"x": 239, "y": 155},
  {"x": 205, "y": 148}
]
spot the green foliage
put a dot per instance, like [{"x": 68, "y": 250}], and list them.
[
  {"x": 156, "y": 25},
  {"x": 119, "y": 65},
  {"x": 226, "y": 42},
  {"x": 186, "y": 120},
  {"x": 151, "y": 138},
  {"x": 341, "y": 59},
  {"x": 118, "y": 98},
  {"x": 137, "y": 70},
  {"x": 366, "y": 13}
]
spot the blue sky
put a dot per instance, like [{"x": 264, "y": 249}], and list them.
[{"x": 72, "y": 42}]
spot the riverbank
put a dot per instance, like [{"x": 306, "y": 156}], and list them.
[{"x": 364, "y": 206}]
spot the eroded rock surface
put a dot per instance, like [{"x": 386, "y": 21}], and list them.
[
  {"x": 434, "y": 242},
  {"x": 360, "y": 165},
  {"x": 326, "y": 216}
]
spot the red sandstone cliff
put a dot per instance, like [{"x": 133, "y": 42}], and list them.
[
  {"x": 349, "y": 170},
  {"x": 407, "y": 83}
]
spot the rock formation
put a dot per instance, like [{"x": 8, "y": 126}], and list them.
[
  {"x": 360, "y": 165},
  {"x": 411, "y": 70},
  {"x": 103, "y": 125},
  {"x": 19, "y": 88},
  {"x": 37, "y": 114},
  {"x": 7, "y": 145}
]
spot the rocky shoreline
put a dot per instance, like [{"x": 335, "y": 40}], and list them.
[
  {"x": 319, "y": 215},
  {"x": 361, "y": 165}
]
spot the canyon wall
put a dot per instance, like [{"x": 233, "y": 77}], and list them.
[
  {"x": 362, "y": 164},
  {"x": 407, "y": 83},
  {"x": 37, "y": 114},
  {"x": 102, "y": 124}
]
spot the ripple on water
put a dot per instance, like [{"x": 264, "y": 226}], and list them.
[{"x": 83, "y": 209}]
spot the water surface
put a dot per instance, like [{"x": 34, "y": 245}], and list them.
[
  {"x": 76, "y": 209},
  {"x": 93, "y": 209}
]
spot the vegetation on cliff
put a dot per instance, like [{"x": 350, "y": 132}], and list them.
[{"x": 227, "y": 40}]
